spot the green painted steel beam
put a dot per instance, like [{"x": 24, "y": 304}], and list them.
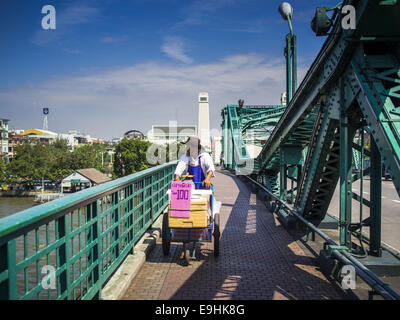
[
  {"x": 353, "y": 84},
  {"x": 375, "y": 200},
  {"x": 378, "y": 110},
  {"x": 326, "y": 69},
  {"x": 243, "y": 126},
  {"x": 346, "y": 139}
]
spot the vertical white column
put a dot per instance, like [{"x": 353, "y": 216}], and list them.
[{"x": 203, "y": 125}]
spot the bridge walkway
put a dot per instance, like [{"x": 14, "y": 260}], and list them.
[{"x": 258, "y": 259}]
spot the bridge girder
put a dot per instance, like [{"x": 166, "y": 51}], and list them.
[{"x": 352, "y": 88}]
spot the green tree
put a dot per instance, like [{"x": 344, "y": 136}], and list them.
[
  {"x": 32, "y": 161},
  {"x": 54, "y": 162},
  {"x": 130, "y": 157},
  {"x": 61, "y": 160},
  {"x": 87, "y": 156},
  {"x": 3, "y": 172}
]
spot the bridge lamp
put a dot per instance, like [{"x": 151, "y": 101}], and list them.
[
  {"x": 321, "y": 23},
  {"x": 286, "y": 11}
]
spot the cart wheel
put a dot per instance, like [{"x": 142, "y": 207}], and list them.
[
  {"x": 216, "y": 234},
  {"x": 165, "y": 241}
]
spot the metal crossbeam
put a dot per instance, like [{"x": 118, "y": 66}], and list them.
[{"x": 243, "y": 126}]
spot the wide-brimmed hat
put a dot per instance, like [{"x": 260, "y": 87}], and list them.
[{"x": 193, "y": 140}]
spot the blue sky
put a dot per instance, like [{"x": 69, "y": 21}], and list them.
[{"x": 114, "y": 65}]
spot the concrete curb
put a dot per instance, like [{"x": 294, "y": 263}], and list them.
[{"x": 116, "y": 287}]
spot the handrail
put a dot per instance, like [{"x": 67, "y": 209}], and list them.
[
  {"x": 367, "y": 275},
  {"x": 29, "y": 216},
  {"x": 81, "y": 238}
]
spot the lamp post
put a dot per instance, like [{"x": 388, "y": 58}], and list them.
[{"x": 286, "y": 11}]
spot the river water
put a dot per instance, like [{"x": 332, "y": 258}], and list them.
[{"x": 11, "y": 205}]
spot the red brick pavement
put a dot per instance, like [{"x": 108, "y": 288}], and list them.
[{"x": 258, "y": 259}]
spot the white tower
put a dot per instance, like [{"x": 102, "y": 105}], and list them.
[
  {"x": 283, "y": 99},
  {"x": 45, "y": 122},
  {"x": 203, "y": 124}
]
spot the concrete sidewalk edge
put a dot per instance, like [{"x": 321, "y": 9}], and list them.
[{"x": 119, "y": 283}]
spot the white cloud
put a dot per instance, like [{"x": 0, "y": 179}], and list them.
[
  {"x": 108, "y": 103},
  {"x": 173, "y": 47},
  {"x": 78, "y": 14}
]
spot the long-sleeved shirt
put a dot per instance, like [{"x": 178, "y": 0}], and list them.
[{"x": 205, "y": 159}]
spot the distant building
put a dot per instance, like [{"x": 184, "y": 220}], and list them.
[
  {"x": 43, "y": 136},
  {"x": 83, "y": 179},
  {"x": 283, "y": 99},
  {"x": 17, "y": 131},
  {"x": 15, "y": 138},
  {"x": 73, "y": 137},
  {"x": 90, "y": 140},
  {"x": 115, "y": 140},
  {"x": 4, "y": 139},
  {"x": 169, "y": 134}
]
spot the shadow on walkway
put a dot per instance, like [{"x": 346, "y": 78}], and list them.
[{"x": 258, "y": 258}]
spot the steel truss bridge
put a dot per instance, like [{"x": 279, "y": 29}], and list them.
[{"x": 350, "y": 93}]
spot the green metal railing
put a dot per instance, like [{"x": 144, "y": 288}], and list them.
[{"x": 68, "y": 248}]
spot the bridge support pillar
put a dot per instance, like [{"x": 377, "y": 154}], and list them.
[
  {"x": 376, "y": 204},
  {"x": 346, "y": 154},
  {"x": 290, "y": 168}
]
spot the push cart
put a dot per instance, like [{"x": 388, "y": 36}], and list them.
[{"x": 193, "y": 234}]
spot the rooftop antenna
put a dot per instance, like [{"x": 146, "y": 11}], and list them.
[{"x": 45, "y": 122}]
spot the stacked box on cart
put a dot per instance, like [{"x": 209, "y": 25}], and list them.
[{"x": 198, "y": 215}]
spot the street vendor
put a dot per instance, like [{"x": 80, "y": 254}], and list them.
[{"x": 196, "y": 163}]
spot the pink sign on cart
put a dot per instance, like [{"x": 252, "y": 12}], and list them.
[{"x": 180, "y": 199}]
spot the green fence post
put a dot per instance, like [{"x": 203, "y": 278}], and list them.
[
  {"x": 8, "y": 287},
  {"x": 3, "y": 269},
  {"x": 98, "y": 272},
  {"x": 92, "y": 236},
  {"x": 12, "y": 269},
  {"x": 61, "y": 256},
  {"x": 115, "y": 220},
  {"x": 130, "y": 221},
  {"x": 151, "y": 202}
]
